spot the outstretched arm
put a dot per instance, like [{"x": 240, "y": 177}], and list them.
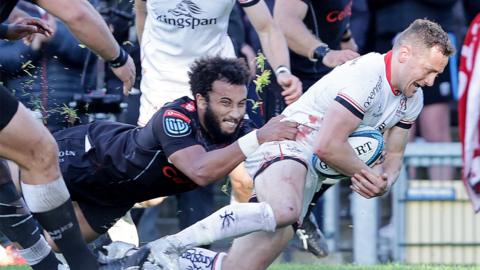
[
  {"x": 206, "y": 167},
  {"x": 90, "y": 28},
  {"x": 21, "y": 25}
]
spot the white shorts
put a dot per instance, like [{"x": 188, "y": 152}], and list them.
[{"x": 271, "y": 152}]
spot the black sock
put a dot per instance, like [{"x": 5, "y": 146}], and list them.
[
  {"x": 48, "y": 263},
  {"x": 61, "y": 224},
  {"x": 19, "y": 226}
]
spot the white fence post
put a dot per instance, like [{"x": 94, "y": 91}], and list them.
[{"x": 365, "y": 229}]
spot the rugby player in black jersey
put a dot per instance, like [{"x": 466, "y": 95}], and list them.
[{"x": 110, "y": 166}]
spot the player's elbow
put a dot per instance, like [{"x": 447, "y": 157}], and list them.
[
  {"x": 324, "y": 151},
  {"x": 201, "y": 178},
  {"x": 73, "y": 19}
]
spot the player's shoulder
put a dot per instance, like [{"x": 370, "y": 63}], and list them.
[
  {"x": 367, "y": 65},
  {"x": 181, "y": 106},
  {"x": 365, "y": 71},
  {"x": 177, "y": 118},
  {"x": 373, "y": 60}
]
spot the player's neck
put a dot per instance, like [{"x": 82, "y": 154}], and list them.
[{"x": 394, "y": 78}]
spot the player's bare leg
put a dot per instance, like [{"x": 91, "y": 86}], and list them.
[
  {"x": 28, "y": 143},
  {"x": 242, "y": 184},
  {"x": 281, "y": 185}
]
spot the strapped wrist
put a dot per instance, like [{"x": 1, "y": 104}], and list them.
[
  {"x": 282, "y": 69},
  {"x": 248, "y": 143},
  {"x": 120, "y": 60},
  {"x": 320, "y": 52},
  {"x": 346, "y": 38},
  {"x": 347, "y": 35}
]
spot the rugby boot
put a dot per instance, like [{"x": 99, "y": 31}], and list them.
[
  {"x": 132, "y": 261},
  {"x": 312, "y": 238}
]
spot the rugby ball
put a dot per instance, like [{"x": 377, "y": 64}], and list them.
[{"x": 367, "y": 143}]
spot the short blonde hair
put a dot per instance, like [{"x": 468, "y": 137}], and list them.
[{"x": 427, "y": 33}]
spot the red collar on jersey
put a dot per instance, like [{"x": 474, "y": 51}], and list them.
[{"x": 388, "y": 66}]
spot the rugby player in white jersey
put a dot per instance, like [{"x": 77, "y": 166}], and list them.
[
  {"x": 175, "y": 33},
  {"x": 381, "y": 91}
]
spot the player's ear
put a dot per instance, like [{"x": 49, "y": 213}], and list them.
[
  {"x": 404, "y": 52},
  {"x": 201, "y": 101}
]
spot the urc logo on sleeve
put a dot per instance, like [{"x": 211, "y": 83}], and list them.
[{"x": 176, "y": 124}]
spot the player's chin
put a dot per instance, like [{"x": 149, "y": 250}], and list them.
[
  {"x": 228, "y": 133},
  {"x": 412, "y": 93},
  {"x": 228, "y": 129}
]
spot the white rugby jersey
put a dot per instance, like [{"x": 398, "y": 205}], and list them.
[
  {"x": 176, "y": 33},
  {"x": 363, "y": 86}
]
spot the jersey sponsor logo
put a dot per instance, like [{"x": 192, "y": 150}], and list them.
[
  {"x": 402, "y": 107},
  {"x": 373, "y": 93},
  {"x": 185, "y": 15},
  {"x": 339, "y": 15},
  {"x": 403, "y": 103},
  {"x": 176, "y": 124},
  {"x": 172, "y": 174}
]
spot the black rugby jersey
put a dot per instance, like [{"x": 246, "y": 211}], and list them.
[
  {"x": 131, "y": 163},
  {"x": 327, "y": 20}
]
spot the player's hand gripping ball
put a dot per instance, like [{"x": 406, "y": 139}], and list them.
[{"x": 367, "y": 143}]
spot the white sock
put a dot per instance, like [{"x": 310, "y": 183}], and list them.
[
  {"x": 37, "y": 252},
  {"x": 201, "y": 259},
  {"x": 230, "y": 221},
  {"x": 233, "y": 200},
  {"x": 45, "y": 197}
]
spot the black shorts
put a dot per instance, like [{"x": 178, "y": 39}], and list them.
[
  {"x": 85, "y": 189},
  {"x": 101, "y": 218},
  {"x": 8, "y": 107}
]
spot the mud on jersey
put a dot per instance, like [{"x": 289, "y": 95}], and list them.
[{"x": 363, "y": 86}]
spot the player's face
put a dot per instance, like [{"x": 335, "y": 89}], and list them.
[
  {"x": 422, "y": 68},
  {"x": 225, "y": 109}
]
